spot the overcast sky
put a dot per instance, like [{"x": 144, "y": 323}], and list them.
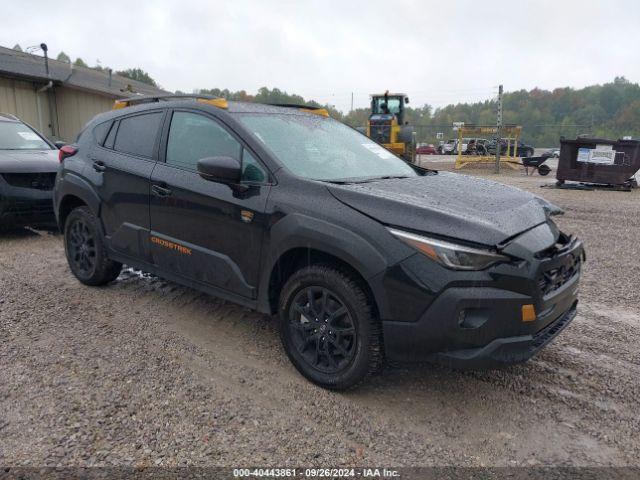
[{"x": 439, "y": 52}]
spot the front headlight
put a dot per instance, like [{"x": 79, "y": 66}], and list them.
[{"x": 450, "y": 255}]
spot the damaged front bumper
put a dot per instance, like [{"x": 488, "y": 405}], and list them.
[{"x": 476, "y": 320}]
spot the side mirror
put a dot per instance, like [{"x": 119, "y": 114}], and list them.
[
  {"x": 59, "y": 144},
  {"x": 221, "y": 169},
  {"x": 406, "y": 99}
]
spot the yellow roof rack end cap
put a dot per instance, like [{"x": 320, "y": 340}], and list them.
[
  {"x": 323, "y": 112},
  {"x": 118, "y": 104},
  {"x": 216, "y": 102}
]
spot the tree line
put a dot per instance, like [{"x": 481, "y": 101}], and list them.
[{"x": 611, "y": 110}]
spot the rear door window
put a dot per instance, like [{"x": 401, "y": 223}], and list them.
[
  {"x": 137, "y": 134},
  {"x": 108, "y": 143},
  {"x": 100, "y": 131}
]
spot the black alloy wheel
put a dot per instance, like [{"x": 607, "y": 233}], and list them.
[
  {"x": 81, "y": 246},
  {"x": 322, "y": 329},
  {"x": 85, "y": 249},
  {"x": 329, "y": 327}
]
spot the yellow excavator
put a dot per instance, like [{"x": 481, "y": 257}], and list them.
[{"x": 387, "y": 125}]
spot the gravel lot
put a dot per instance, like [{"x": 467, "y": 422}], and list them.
[{"x": 144, "y": 372}]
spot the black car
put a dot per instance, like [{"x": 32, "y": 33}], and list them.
[
  {"x": 523, "y": 150},
  {"x": 28, "y": 166},
  {"x": 289, "y": 212}
]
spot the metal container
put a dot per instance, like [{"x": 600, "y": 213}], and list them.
[{"x": 600, "y": 161}]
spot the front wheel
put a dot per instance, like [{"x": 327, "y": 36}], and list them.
[
  {"x": 85, "y": 250},
  {"x": 328, "y": 327}
]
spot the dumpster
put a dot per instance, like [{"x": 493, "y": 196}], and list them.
[{"x": 599, "y": 161}]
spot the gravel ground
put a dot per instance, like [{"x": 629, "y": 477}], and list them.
[{"x": 144, "y": 372}]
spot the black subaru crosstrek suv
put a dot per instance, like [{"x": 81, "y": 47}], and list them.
[{"x": 361, "y": 255}]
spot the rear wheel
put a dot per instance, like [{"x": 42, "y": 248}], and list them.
[
  {"x": 328, "y": 328},
  {"x": 84, "y": 247}
]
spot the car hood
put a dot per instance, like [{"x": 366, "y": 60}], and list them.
[
  {"x": 25, "y": 161},
  {"x": 449, "y": 205}
]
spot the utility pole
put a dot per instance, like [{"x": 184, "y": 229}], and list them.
[
  {"x": 352, "y": 101},
  {"x": 499, "y": 130}
]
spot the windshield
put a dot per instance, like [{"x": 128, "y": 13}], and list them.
[
  {"x": 318, "y": 148},
  {"x": 17, "y": 136},
  {"x": 392, "y": 105}
]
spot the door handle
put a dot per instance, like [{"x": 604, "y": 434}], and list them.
[
  {"x": 99, "y": 166},
  {"x": 161, "y": 191}
]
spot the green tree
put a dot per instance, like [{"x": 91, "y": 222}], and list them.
[
  {"x": 17, "y": 47},
  {"x": 63, "y": 57},
  {"x": 80, "y": 63},
  {"x": 139, "y": 75}
]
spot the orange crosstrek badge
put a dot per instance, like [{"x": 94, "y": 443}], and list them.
[
  {"x": 246, "y": 216},
  {"x": 171, "y": 245}
]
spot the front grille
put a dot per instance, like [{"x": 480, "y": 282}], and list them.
[
  {"x": 554, "y": 278},
  {"x": 38, "y": 181},
  {"x": 380, "y": 131}
]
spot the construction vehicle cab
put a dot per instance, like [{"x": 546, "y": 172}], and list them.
[{"x": 387, "y": 123}]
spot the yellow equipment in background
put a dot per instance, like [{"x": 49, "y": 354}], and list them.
[
  {"x": 387, "y": 126},
  {"x": 468, "y": 134}
]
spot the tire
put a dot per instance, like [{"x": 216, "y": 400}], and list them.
[
  {"x": 544, "y": 170},
  {"x": 344, "y": 349},
  {"x": 85, "y": 250}
]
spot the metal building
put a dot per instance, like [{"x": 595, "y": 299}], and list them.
[{"x": 61, "y": 103}]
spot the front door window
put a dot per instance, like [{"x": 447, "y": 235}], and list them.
[{"x": 193, "y": 137}]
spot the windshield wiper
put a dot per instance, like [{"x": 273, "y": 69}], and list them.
[
  {"x": 342, "y": 181},
  {"x": 384, "y": 177},
  {"x": 388, "y": 177},
  {"x": 351, "y": 180}
]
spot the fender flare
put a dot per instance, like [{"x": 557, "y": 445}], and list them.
[
  {"x": 76, "y": 186},
  {"x": 300, "y": 231}
]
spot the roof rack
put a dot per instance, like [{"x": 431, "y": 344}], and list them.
[
  {"x": 323, "y": 112},
  {"x": 141, "y": 99},
  {"x": 9, "y": 115}
]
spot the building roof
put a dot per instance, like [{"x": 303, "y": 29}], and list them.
[{"x": 25, "y": 65}]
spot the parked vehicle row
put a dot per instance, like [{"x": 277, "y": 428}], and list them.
[
  {"x": 523, "y": 149},
  {"x": 360, "y": 255},
  {"x": 448, "y": 147},
  {"x": 483, "y": 146},
  {"x": 426, "y": 149},
  {"x": 552, "y": 153}
]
